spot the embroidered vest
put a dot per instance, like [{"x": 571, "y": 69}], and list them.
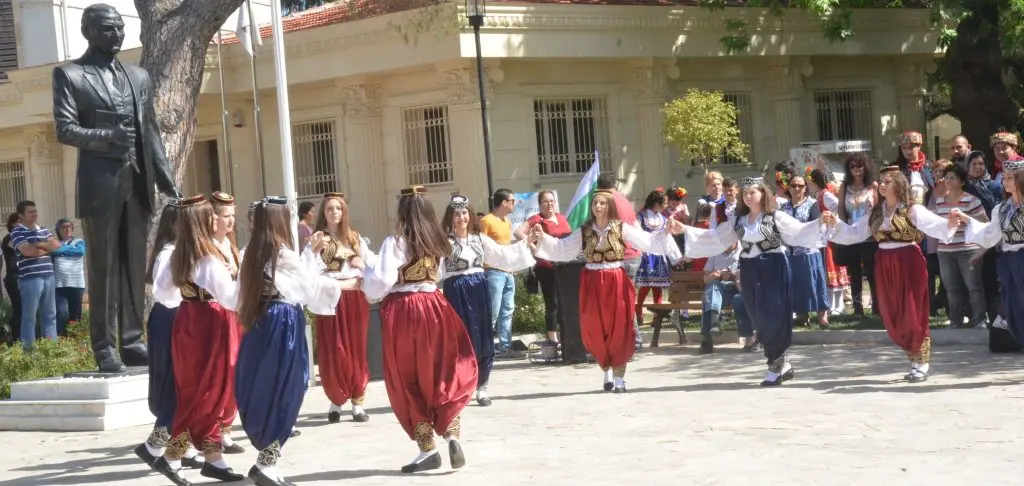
[
  {"x": 1013, "y": 224},
  {"x": 903, "y": 230},
  {"x": 615, "y": 245},
  {"x": 768, "y": 229},
  {"x": 455, "y": 262},
  {"x": 269, "y": 291},
  {"x": 335, "y": 253},
  {"x": 420, "y": 271},
  {"x": 194, "y": 293}
]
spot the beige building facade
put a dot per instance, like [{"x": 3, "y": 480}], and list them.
[{"x": 373, "y": 110}]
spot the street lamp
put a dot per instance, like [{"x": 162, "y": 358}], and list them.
[{"x": 476, "y": 10}]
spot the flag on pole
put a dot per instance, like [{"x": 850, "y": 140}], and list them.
[
  {"x": 246, "y": 28},
  {"x": 579, "y": 208}
]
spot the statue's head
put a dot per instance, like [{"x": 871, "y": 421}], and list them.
[{"x": 103, "y": 27}]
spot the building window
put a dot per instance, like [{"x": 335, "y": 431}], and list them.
[
  {"x": 316, "y": 170},
  {"x": 428, "y": 146},
  {"x": 843, "y": 114},
  {"x": 12, "y": 185},
  {"x": 744, "y": 103},
  {"x": 571, "y": 132}
]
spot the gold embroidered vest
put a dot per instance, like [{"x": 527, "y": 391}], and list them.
[
  {"x": 194, "y": 293},
  {"x": 903, "y": 230},
  {"x": 334, "y": 254},
  {"x": 614, "y": 246},
  {"x": 424, "y": 270}
]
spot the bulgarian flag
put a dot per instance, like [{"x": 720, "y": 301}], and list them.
[{"x": 579, "y": 208}]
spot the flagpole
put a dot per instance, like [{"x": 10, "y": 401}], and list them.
[
  {"x": 224, "y": 118},
  {"x": 254, "y": 35},
  {"x": 284, "y": 122}
]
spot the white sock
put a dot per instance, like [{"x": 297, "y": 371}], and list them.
[
  {"x": 771, "y": 376},
  {"x": 357, "y": 409},
  {"x": 225, "y": 440},
  {"x": 175, "y": 464},
  {"x": 192, "y": 453},
  {"x": 786, "y": 368},
  {"x": 269, "y": 471},
  {"x": 922, "y": 368},
  {"x": 620, "y": 383},
  {"x": 154, "y": 451},
  {"x": 423, "y": 456},
  {"x": 481, "y": 394},
  {"x": 334, "y": 408},
  {"x": 608, "y": 376},
  {"x": 219, "y": 464}
]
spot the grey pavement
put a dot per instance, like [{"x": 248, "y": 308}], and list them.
[{"x": 847, "y": 419}]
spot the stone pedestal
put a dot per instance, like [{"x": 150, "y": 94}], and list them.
[{"x": 77, "y": 404}]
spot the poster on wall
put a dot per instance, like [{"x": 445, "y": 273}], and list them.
[{"x": 527, "y": 204}]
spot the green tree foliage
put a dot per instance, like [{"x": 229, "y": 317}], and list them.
[
  {"x": 979, "y": 81},
  {"x": 702, "y": 126}
]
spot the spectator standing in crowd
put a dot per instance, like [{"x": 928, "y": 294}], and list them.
[
  {"x": 857, "y": 195},
  {"x": 627, "y": 215},
  {"x": 11, "y": 277},
  {"x": 959, "y": 149},
  {"x": 307, "y": 219},
  {"x": 1004, "y": 146},
  {"x": 980, "y": 181},
  {"x": 960, "y": 273},
  {"x": 937, "y": 291},
  {"x": 726, "y": 207},
  {"x": 713, "y": 187},
  {"x": 500, "y": 283},
  {"x": 554, "y": 224},
  {"x": 69, "y": 275},
  {"x": 33, "y": 245}
]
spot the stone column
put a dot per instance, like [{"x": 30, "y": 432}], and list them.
[
  {"x": 45, "y": 166},
  {"x": 911, "y": 87},
  {"x": 785, "y": 89},
  {"x": 651, "y": 91},
  {"x": 465, "y": 128},
  {"x": 365, "y": 155}
]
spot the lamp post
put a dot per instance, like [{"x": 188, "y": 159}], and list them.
[{"x": 476, "y": 10}]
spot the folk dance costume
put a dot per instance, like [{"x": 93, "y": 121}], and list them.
[
  {"x": 162, "y": 397},
  {"x": 655, "y": 271},
  {"x": 233, "y": 257},
  {"x": 767, "y": 287},
  {"x": 606, "y": 292},
  {"x": 810, "y": 289},
  {"x": 465, "y": 287},
  {"x": 838, "y": 279},
  {"x": 272, "y": 373},
  {"x": 1006, "y": 229},
  {"x": 341, "y": 326},
  {"x": 901, "y": 274},
  {"x": 430, "y": 371}
]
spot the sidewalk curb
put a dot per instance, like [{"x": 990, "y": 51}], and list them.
[{"x": 940, "y": 337}]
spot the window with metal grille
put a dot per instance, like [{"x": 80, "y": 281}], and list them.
[
  {"x": 316, "y": 171},
  {"x": 744, "y": 103},
  {"x": 428, "y": 146},
  {"x": 12, "y": 185},
  {"x": 843, "y": 114},
  {"x": 571, "y": 132}
]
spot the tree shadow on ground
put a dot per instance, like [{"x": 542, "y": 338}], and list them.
[
  {"x": 358, "y": 474},
  {"x": 75, "y": 471}
]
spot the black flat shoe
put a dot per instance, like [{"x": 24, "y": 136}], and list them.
[
  {"x": 620, "y": 389},
  {"x": 295, "y": 433},
  {"x": 234, "y": 449},
  {"x": 776, "y": 382},
  {"x": 484, "y": 401},
  {"x": 192, "y": 462},
  {"x": 144, "y": 454},
  {"x": 360, "y": 417},
  {"x": 789, "y": 375},
  {"x": 333, "y": 417},
  {"x": 226, "y": 475},
  {"x": 111, "y": 365},
  {"x": 161, "y": 466},
  {"x": 455, "y": 454},
  {"x": 608, "y": 386},
  {"x": 430, "y": 463},
  {"x": 261, "y": 479},
  {"x": 920, "y": 377}
]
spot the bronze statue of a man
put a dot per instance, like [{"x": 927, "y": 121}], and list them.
[{"x": 104, "y": 108}]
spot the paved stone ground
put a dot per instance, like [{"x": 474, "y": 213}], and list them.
[{"x": 847, "y": 419}]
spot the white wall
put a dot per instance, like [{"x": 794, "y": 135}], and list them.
[{"x": 49, "y": 31}]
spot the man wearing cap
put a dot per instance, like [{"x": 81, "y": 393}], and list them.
[{"x": 1004, "y": 146}]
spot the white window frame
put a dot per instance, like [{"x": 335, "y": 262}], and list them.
[
  {"x": 862, "y": 125},
  {"x": 316, "y": 168},
  {"x": 575, "y": 159},
  {"x": 11, "y": 189},
  {"x": 745, "y": 121},
  {"x": 428, "y": 154}
]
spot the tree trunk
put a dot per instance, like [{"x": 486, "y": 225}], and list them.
[
  {"x": 175, "y": 36},
  {"x": 975, "y": 67}
]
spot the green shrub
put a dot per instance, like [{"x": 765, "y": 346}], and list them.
[
  {"x": 50, "y": 358},
  {"x": 528, "y": 317}
]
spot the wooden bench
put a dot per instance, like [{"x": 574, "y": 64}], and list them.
[{"x": 685, "y": 293}]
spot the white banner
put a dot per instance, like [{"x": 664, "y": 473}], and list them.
[{"x": 527, "y": 204}]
